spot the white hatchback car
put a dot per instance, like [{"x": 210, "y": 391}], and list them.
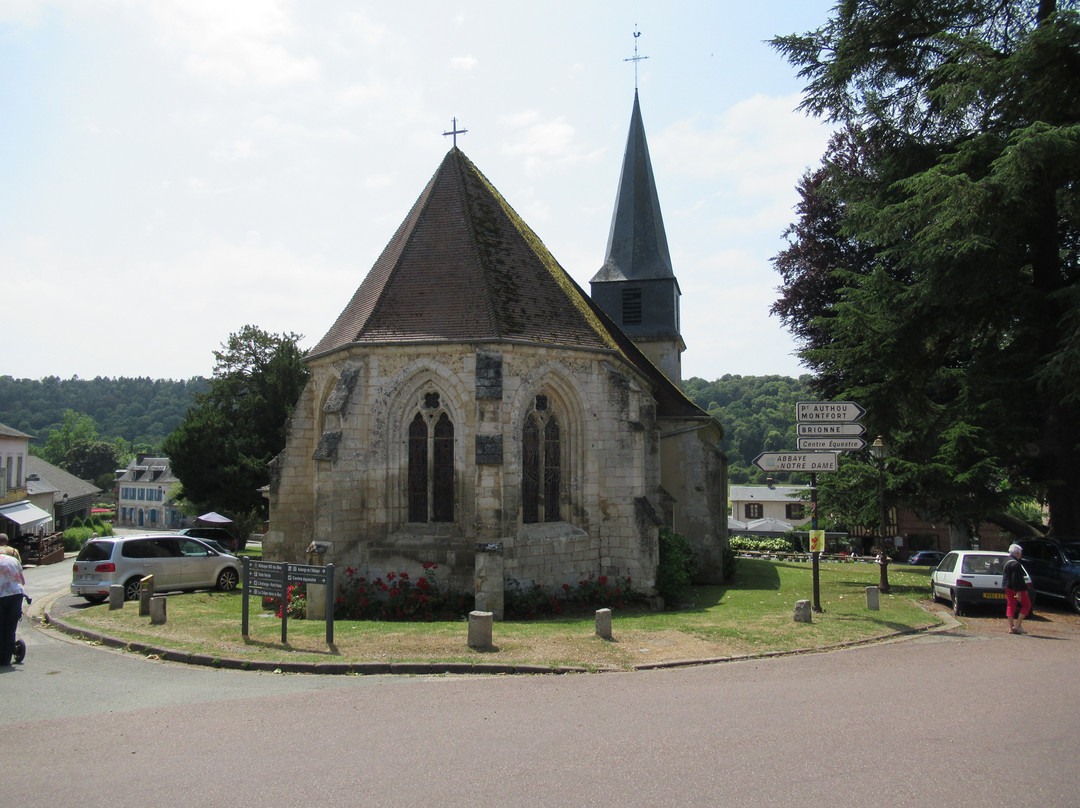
[
  {"x": 176, "y": 562},
  {"x": 971, "y": 577}
]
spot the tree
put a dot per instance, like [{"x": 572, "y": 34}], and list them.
[
  {"x": 96, "y": 461},
  {"x": 222, "y": 449},
  {"x": 948, "y": 300},
  {"x": 76, "y": 429}
]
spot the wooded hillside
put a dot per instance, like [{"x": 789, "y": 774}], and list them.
[
  {"x": 757, "y": 413},
  {"x": 142, "y": 411}
]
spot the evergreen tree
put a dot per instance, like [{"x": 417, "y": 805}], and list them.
[
  {"x": 222, "y": 449},
  {"x": 941, "y": 241}
]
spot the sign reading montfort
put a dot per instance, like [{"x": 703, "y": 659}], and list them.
[{"x": 828, "y": 411}]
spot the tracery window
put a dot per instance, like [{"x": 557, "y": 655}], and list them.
[
  {"x": 431, "y": 463},
  {"x": 541, "y": 464}
]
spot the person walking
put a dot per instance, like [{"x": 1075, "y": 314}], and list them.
[
  {"x": 1016, "y": 590},
  {"x": 7, "y": 548},
  {"x": 11, "y": 598}
]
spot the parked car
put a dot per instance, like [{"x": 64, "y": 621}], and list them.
[
  {"x": 1054, "y": 567},
  {"x": 218, "y": 534},
  {"x": 970, "y": 577},
  {"x": 176, "y": 562},
  {"x": 926, "y": 558}
]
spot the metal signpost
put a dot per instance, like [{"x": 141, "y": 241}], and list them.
[
  {"x": 271, "y": 579},
  {"x": 822, "y": 425}
]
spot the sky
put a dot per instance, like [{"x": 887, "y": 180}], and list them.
[{"x": 172, "y": 170}]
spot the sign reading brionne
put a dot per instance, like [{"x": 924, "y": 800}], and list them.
[
  {"x": 828, "y": 412},
  {"x": 831, "y": 430},
  {"x": 796, "y": 461}
]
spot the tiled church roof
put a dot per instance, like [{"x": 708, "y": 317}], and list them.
[{"x": 464, "y": 267}]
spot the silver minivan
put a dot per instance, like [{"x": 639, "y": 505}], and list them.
[{"x": 176, "y": 562}]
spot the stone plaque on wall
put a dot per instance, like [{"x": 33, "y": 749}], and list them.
[
  {"x": 489, "y": 449},
  {"x": 488, "y": 376}
]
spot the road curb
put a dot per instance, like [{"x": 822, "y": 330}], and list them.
[{"x": 443, "y": 668}]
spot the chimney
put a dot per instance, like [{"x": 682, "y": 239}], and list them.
[{"x": 769, "y": 482}]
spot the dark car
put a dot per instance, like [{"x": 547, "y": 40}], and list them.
[
  {"x": 1054, "y": 567},
  {"x": 218, "y": 534},
  {"x": 926, "y": 558}
]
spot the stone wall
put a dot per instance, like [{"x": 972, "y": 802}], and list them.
[{"x": 343, "y": 476}]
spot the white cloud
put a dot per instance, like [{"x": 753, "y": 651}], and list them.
[
  {"x": 544, "y": 143},
  {"x": 759, "y": 144},
  {"x": 237, "y": 41},
  {"x": 463, "y": 62}
]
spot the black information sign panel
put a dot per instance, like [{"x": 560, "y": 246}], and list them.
[{"x": 271, "y": 579}]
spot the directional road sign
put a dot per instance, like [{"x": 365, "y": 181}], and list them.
[
  {"x": 829, "y": 430},
  {"x": 827, "y": 411},
  {"x": 832, "y": 444},
  {"x": 796, "y": 461}
]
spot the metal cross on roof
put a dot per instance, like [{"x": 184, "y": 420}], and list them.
[
  {"x": 455, "y": 131},
  {"x": 635, "y": 58}
]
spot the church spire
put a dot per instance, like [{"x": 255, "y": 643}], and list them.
[
  {"x": 637, "y": 244},
  {"x": 636, "y": 286}
]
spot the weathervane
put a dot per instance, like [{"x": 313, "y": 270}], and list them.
[
  {"x": 635, "y": 58},
  {"x": 455, "y": 131}
]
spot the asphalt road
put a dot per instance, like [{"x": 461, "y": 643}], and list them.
[{"x": 970, "y": 717}]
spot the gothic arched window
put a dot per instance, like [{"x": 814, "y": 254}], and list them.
[
  {"x": 541, "y": 464},
  {"x": 431, "y": 464}
]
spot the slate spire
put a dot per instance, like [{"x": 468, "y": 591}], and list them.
[{"x": 636, "y": 286}]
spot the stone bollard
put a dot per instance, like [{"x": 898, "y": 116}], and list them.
[
  {"x": 146, "y": 591},
  {"x": 157, "y": 610},
  {"x": 480, "y": 629},
  {"x": 603, "y": 623},
  {"x": 802, "y": 611},
  {"x": 489, "y": 583},
  {"x": 872, "y": 598},
  {"x": 116, "y": 596}
]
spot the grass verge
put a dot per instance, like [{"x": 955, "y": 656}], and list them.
[{"x": 751, "y": 615}]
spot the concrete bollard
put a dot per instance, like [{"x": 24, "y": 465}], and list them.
[
  {"x": 872, "y": 598},
  {"x": 489, "y": 582},
  {"x": 603, "y": 623},
  {"x": 802, "y": 611},
  {"x": 146, "y": 591},
  {"x": 116, "y": 597},
  {"x": 480, "y": 629},
  {"x": 157, "y": 610}
]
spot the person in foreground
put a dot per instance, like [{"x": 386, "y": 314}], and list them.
[
  {"x": 11, "y": 598},
  {"x": 1016, "y": 591}
]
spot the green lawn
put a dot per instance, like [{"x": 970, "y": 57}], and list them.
[{"x": 751, "y": 615}]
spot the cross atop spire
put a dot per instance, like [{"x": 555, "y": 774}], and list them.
[
  {"x": 455, "y": 131},
  {"x": 635, "y": 58}
]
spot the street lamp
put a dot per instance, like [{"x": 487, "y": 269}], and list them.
[{"x": 881, "y": 452}]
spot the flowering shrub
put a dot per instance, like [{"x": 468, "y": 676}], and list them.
[
  {"x": 396, "y": 596},
  {"x": 749, "y": 543},
  {"x": 295, "y": 597},
  {"x": 594, "y": 592}
]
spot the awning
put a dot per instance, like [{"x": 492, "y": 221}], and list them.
[
  {"x": 25, "y": 514},
  {"x": 213, "y": 518}
]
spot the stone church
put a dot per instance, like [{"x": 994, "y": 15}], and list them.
[{"x": 472, "y": 395}]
